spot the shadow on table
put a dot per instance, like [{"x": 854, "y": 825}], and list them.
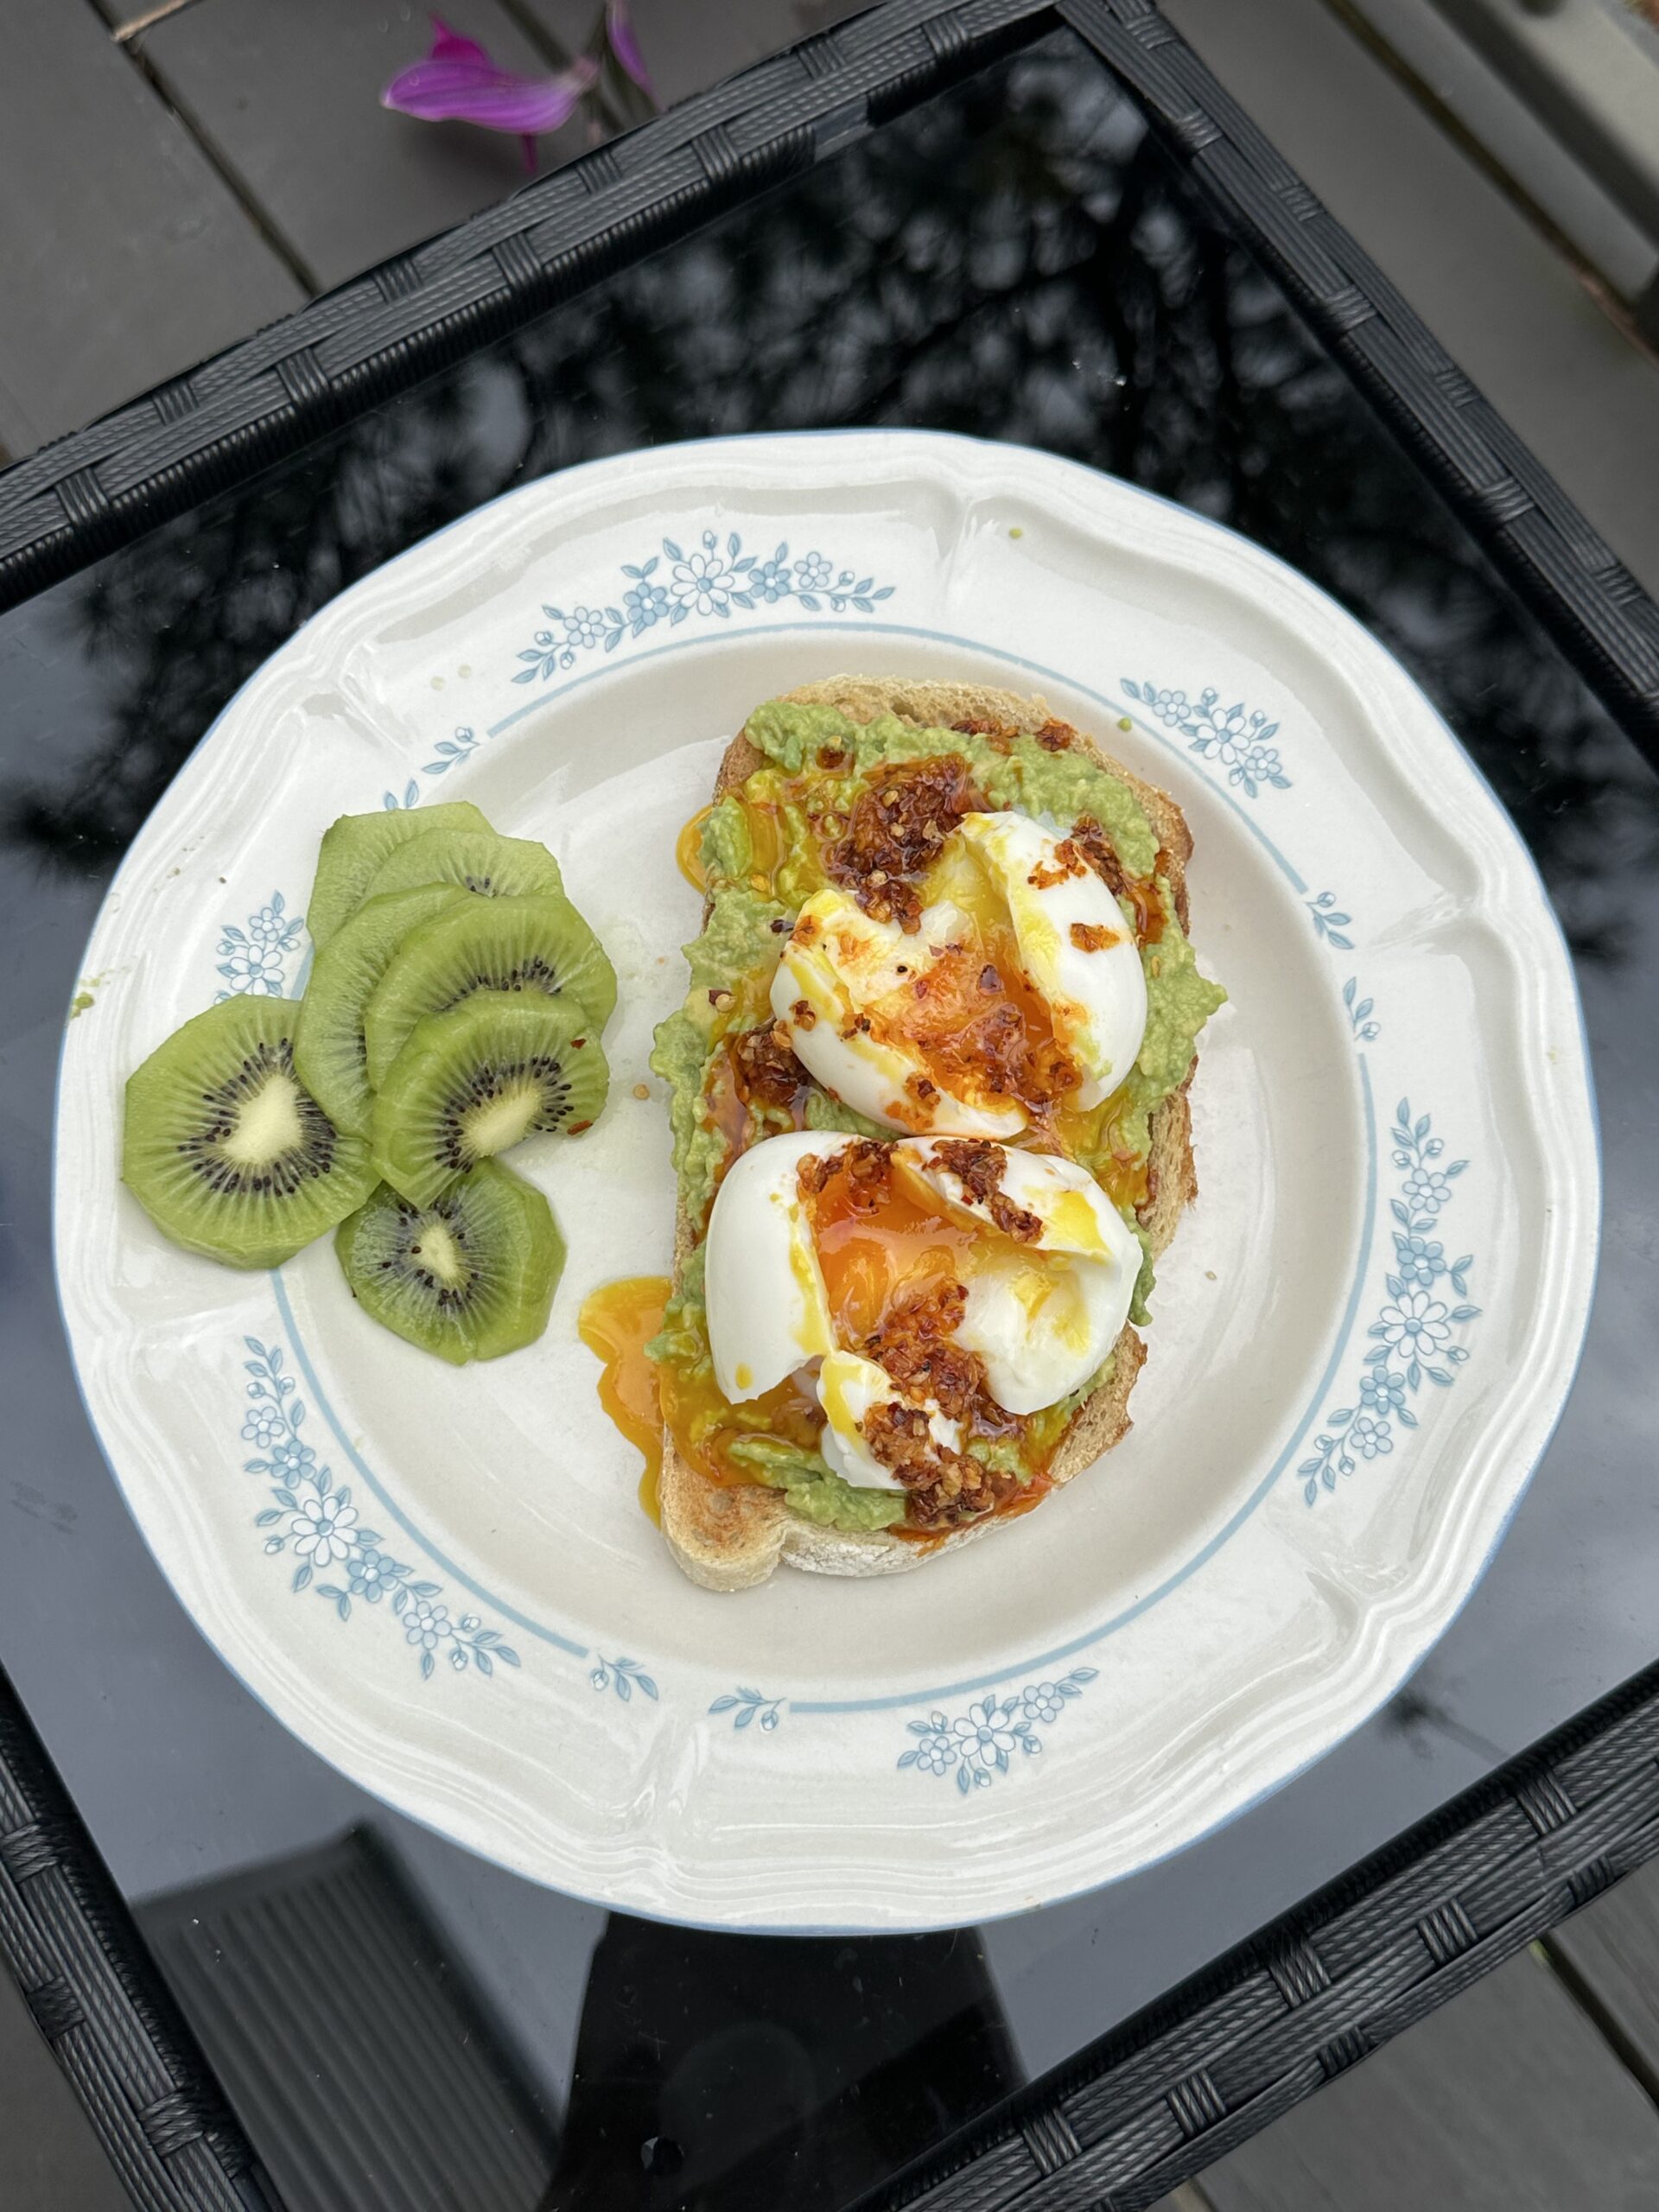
[
  {"x": 736, "y": 2071},
  {"x": 711, "y": 2070}
]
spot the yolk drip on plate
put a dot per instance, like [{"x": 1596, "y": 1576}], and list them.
[
  {"x": 617, "y": 1322},
  {"x": 688, "y": 850}
]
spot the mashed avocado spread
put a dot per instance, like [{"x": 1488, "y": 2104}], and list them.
[
  {"x": 1027, "y": 778},
  {"x": 733, "y": 961}
]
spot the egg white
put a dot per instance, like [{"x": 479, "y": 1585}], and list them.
[
  {"x": 763, "y": 1289},
  {"x": 1097, "y": 998},
  {"x": 848, "y": 1387},
  {"x": 1075, "y": 1214},
  {"x": 1041, "y": 1315},
  {"x": 842, "y": 965}
]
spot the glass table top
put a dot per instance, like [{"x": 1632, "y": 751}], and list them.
[{"x": 1017, "y": 260}]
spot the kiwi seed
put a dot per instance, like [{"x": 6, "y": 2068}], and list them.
[
  {"x": 497, "y": 867},
  {"x": 469, "y": 1276},
  {"x": 521, "y": 945},
  {"x": 356, "y": 845},
  {"x": 479, "y": 1079},
  {"x": 224, "y": 1148}
]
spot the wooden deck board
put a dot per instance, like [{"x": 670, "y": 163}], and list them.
[
  {"x": 689, "y": 45},
  {"x": 1512, "y": 313},
  {"x": 1611, "y": 1951},
  {"x": 1508, "y": 2101},
  {"x": 289, "y": 99},
  {"x": 50, "y": 2160},
  {"x": 123, "y": 259}
]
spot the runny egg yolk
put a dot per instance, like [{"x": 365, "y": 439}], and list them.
[
  {"x": 896, "y": 1251},
  {"x": 940, "y": 1028},
  {"x": 768, "y": 841},
  {"x": 893, "y": 1250},
  {"x": 997, "y": 1061},
  {"x": 870, "y": 1253},
  {"x": 616, "y": 1322},
  {"x": 1005, "y": 987}
]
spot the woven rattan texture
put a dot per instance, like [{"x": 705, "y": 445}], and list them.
[
  {"x": 73, "y": 1949},
  {"x": 1179, "y": 2085},
  {"x": 375, "y": 336},
  {"x": 1592, "y": 604},
  {"x": 1223, "y": 2054}
]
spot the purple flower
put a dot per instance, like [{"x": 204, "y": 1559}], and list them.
[
  {"x": 459, "y": 81},
  {"x": 625, "y": 47}
]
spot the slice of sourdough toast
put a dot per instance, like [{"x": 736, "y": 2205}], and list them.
[{"x": 730, "y": 1537}]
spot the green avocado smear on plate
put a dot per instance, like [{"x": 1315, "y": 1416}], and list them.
[{"x": 732, "y": 964}]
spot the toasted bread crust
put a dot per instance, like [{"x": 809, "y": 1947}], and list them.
[{"x": 732, "y": 1537}]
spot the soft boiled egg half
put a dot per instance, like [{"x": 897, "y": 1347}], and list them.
[
  {"x": 799, "y": 1280},
  {"x": 1021, "y": 988}
]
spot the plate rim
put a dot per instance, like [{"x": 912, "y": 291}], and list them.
[{"x": 638, "y": 463}]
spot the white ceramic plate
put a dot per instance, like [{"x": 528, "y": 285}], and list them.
[{"x": 441, "y": 1580}]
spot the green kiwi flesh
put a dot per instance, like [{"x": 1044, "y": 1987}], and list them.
[
  {"x": 356, "y": 845},
  {"x": 539, "y": 944},
  {"x": 478, "y": 1079},
  {"x": 469, "y": 1275},
  {"x": 329, "y": 1054},
  {"x": 498, "y": 867},
  {"x": 226, "y": 1151}
]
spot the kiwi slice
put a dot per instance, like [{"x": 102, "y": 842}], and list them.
[
  {"x": 499, "y": 867},
  {"x": 225, "y": 1150},
  {"x": 469, "y": 1275},
  {"x": 487, "y": 945},
  {"x": 329, "y": 1055},
  {"x": 356, "y": 844},
  {"x": 479, "y": 1079}
]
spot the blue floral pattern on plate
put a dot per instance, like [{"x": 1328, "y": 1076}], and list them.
[
  {"x": 312, "y": 1519},
  {"x": 315, "y": 1519},
  {"x": 624, "y": 1676},
  {"x": 745, "y": 1705},
  {"x": 1329, "y": 921},
  {"x": 451, "y": 752},
  {"x": 1366, "y": 1032},
  {"x": 708, "y": 580},
  {"x": 979, "y": 1744},
  {"x": 254, "y": 959},
  {"x": 1411, "y": 1336},
  {"x": 1234, "y": 739}
]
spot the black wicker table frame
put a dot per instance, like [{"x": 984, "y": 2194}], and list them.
[{"x": 1217, "y": 2058}]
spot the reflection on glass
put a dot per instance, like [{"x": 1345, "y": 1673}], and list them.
[
  {"x": 717, "y": 2069},
  {"x": 1018, "y": 261},
  {"x": 367, "y": 2066},
  {"x": 1021, "y": 261}
]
